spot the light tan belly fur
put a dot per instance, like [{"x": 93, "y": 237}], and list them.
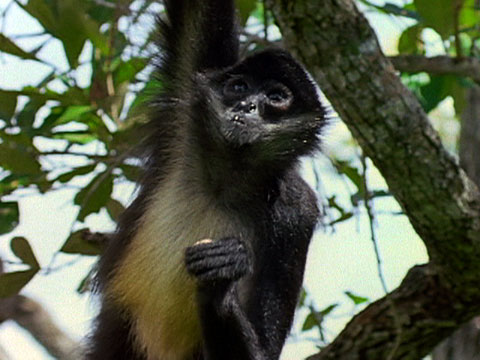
[{"x": 152, "y": 282}]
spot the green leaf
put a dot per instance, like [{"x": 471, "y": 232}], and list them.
[
  {"x": 12, "y": 283},
  {"x": 76, "y": 137},
  {"x": 81, "y": 170},
  {"x": 26, "y": 117},
  {"x": 12, "y": 182},
  {"x": 458, "y": 91},
  {"x": 68, "y": 21},
  {"x": 115, "y": 209},
  {"x": 469, "y": 15},
  {"x": 342, "y": 218},
  {"x": 8, "y": 104},
  {"x": 95, "y": 195},
  {"x": 9, "y": 47},
  {"x": 310, "y": 322},
  {"x": 127, "y": 71},
  {"x": 39, "y": 10},
  {"x": 315, "y": 318},
  {"x": 433, "y": 93},
  {"x": 302, "y": 297},
  {"x": 328, "y": 310},
  {"x": 73, "y": 113},
  {"x": 390, "y": 8},
  {"x": 87, "y": 282},
  {"x": 439, "y": 88},
  {"x": 411, "y": 42},
  {"x": 22, "y": 249},
  {"x": 18, "y": 160},
  {"x": 245, "y": 8},
  {"x": 76, "y": 244},
  {"x": 438, "y": 15},
  {"x": 350, "y": 172},
  {"x": 357, "y": 300},
  {"x": 9, "y": 216},
  {"x": 131, "y": 172}
]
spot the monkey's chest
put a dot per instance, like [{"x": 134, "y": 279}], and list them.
[{"x": 151, "y": 282}]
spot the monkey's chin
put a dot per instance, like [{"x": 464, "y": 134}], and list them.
[{"x": 238, "y": 136}]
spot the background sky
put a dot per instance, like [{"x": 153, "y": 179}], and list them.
[{"x": 340, "y": 261}]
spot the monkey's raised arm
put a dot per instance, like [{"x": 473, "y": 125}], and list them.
[{"x": 197, "y": 35}]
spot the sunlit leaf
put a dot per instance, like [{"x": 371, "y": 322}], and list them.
[
  {"x": 410, "y": 41},
  {"x": 127, "y": 71},
  {"x": 439, "y": 15},
  {"x": 76, "y": 137},
  {"x": 245, "y": 8},
  {"x": 73, "y": 113},
  {"x": 357, "y": 300}
]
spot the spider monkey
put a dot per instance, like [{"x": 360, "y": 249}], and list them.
[{"x": 207, "y": 262}]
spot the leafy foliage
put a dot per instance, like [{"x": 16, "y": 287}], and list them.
[{"x": 93, "y": 127}]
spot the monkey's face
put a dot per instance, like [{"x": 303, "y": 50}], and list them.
[{"x": 267, "y": 103}]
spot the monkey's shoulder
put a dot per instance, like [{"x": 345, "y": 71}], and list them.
[{"x": 295, "y": 211}]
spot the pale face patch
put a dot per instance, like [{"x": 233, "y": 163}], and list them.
[{"x": 151, "y": 282}]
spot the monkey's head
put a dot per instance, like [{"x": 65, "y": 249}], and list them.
[{"x": 267, "y": 105}]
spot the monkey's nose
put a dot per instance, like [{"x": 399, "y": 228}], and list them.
[{"x": 245, "y": 107}]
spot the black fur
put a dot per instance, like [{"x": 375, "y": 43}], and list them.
[{"x": 243, "y": 151}]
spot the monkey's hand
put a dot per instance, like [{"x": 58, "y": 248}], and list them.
[{"x": 215, "y": 262}]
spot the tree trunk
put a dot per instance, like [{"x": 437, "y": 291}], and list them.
[{"x": 464, "y": 344}]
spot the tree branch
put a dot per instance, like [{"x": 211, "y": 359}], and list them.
[
  {"x": 30, "y": 315},
  {"x": 438, "y": 65},
  {"x": 334, "y": 40},
  {"x": 425, "y": 308}
]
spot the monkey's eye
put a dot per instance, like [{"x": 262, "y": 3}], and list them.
[
  {"x": 279, "y": 94},
  {"x": 236, "y": 87}
]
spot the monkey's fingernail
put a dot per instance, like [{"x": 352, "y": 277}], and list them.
[{"x": 204, "y": 241}]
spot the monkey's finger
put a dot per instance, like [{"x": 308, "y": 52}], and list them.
[
  {"x": 204, "y": 241},
  {"x": 231, "y": 272},
  {"x": 211, "y": 262},
  {"x": 195, "y": 253}
]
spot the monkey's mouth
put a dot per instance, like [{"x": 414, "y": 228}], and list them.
[
  {"x": 240, "y": 129},
  {"x": 239, "y": 120}
]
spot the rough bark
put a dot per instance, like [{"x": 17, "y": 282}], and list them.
[
  {"x": 464, "y": 344},
  {"x": 336, "y": 43}
]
